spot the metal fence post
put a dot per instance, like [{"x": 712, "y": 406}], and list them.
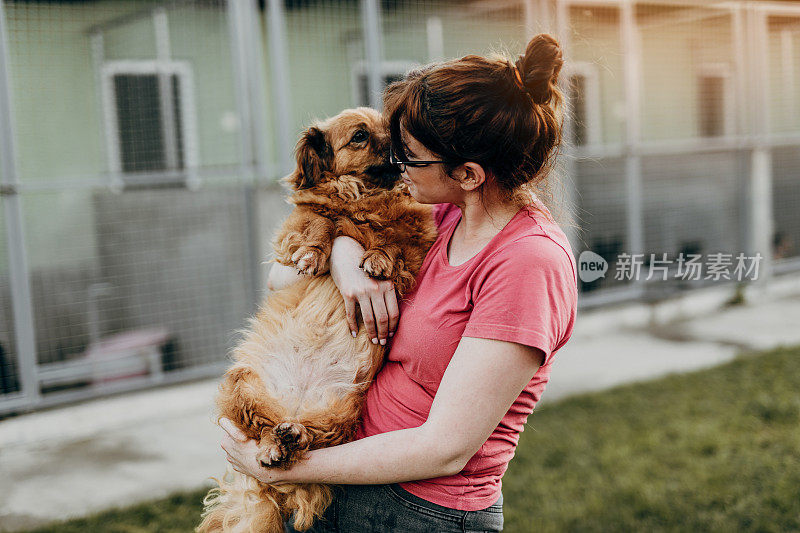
[
  {"x": 17, "y": 261},
  {"x": 631, "y": 52},
  {"x": 240, "y": 31},
  {"x": 760, "y": 183},
  {"x": 373, "y": 47},
  {"x": 239, "y": 41},
  {"x": 263, "y": 168},
  {"x": 276, "y": 22},
  {"x": 163, "y": 54},
  {"x": 743, "y": 104},
  {"x": 255, "y": 81},
  {"x": 567, "y": 163}
]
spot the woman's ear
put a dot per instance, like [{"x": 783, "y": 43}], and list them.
[
  {"x": 470, "y": 176},
  {"x": 314, "y": 156}
]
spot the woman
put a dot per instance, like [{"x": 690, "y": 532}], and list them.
[{"x": 495, "y": 299}]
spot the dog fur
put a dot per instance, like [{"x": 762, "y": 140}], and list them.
[{"x": 299, "y": 377}]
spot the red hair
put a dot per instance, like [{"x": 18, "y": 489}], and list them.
[{"x": 504, "y": 116}]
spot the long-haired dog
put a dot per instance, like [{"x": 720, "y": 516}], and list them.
[{"x": 299, "y": 376}]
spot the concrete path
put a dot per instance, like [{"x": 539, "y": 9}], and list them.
[{"x": 113, "y": 452}]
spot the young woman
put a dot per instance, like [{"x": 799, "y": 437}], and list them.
[{"x": 495, "y": 300}]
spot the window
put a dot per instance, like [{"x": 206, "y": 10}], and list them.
[
  {"x": 139, "y": 122},
  {"x": 391, "y": 71},
  {"x": 714, "y": 100},
  {"x": 147, "y": 114},
  {"x": 583, "y": 94}
]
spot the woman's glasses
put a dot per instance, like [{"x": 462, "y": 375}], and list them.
[{"x": 401, "y": 165}]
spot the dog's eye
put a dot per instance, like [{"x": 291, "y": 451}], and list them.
[{"x": 359, "y": 137}]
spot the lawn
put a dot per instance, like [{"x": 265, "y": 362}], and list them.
[{"x": 716, "y": 450}]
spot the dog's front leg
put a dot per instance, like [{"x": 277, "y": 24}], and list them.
[
  {"x": 305, "y": 241},
  {"x": 383, "y": 258},
  {"x": 389, "y": 262},
  {"x": 382, "y": 262}
]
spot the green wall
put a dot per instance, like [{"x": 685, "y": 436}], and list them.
[
  {"x": 59, "y": 127},
  {"x": 58, "y": 123}
]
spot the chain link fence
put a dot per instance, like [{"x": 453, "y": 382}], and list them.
[{"x": 142, "y": 141}]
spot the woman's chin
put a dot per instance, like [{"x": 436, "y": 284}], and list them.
[{"x": 413, "y": 191}]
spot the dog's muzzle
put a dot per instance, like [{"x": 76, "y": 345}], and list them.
[{"x": 385, "y": 175}]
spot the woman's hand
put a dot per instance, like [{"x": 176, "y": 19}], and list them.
[
  {"x": 377, "y": 299},
  {"x": 281, "y": 276},
  {"x": 242, "y": 452}
]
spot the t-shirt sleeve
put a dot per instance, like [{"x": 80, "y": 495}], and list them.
[{"x": 527, "y": 294}]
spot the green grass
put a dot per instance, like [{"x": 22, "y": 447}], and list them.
[
  {"x": 178, "y": 513},
  {"x": 716, "y": 450}
]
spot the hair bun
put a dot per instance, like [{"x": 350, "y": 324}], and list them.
[{"x": 539, "y": 67}]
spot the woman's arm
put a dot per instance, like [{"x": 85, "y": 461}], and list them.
[
  {"x": 377, "y": 299},
  {"x": 281, "y": 276},
  {"x": 480, "y": 384}
]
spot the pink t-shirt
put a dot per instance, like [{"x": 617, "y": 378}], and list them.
[{"x": 521, "y": 287}]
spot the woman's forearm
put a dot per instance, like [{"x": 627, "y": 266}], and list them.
[
  {"x": 396, "y": 456},
  {"x": 281, "y": 276},
  {"x": 345, "y": 257},
  {"x": 376, "y": 299}
]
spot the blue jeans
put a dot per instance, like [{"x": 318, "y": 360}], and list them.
[{"x": 390, "y": 508}]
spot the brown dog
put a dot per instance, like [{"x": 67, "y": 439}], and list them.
[{"x": 299, "y": 377}]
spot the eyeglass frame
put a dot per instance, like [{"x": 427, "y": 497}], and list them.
[{"x": 401, "y": 165}]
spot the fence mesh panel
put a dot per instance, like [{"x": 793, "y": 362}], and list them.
[
  {"x": 783, "y": 34},
  {"x": 595, "y": 76},
  {"x": 416, "y": 33},
  {"x": 783, "y": 49},
  {"x": 9, "y": 360},
  {"x": 120, "y": 105},
  {"x": 688, "y": 211},
  {"x": 324, "y": 42},
  {"x": 594, "y": 81},
  {"x": 148, "y": 195},
  {"x": 687, "y": 67},
  {"x": 601, "y": 212},
  {"x": 200, "y": 39},
  {"x": 162, "y": 277},
  {"x": 786, "y": 203}
]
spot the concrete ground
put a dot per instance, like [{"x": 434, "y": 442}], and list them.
[{"x": 117, "y": 451}]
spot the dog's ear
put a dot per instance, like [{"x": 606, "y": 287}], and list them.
[{"x": 314, "y": 156}]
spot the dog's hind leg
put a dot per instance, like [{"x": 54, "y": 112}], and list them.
[
  {"x": 293, "y": 435},
  {"x": 283, "y": 444}
]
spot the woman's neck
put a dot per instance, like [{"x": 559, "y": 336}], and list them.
[{"x": 482, "y": 219}]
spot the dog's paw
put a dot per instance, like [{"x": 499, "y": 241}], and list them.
[
  {"x": 283, "y": 444},
  {"x": 377, "y": 264},
  {"x": 309, "y": 260},
  {"x": 272, "y": 455},
  {"x": 292, "y": 435}
]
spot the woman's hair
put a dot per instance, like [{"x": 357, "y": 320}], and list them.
[{"x": 505, "y": 116}]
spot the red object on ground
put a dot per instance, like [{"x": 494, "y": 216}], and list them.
[{"x": 127, "y": 355}]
